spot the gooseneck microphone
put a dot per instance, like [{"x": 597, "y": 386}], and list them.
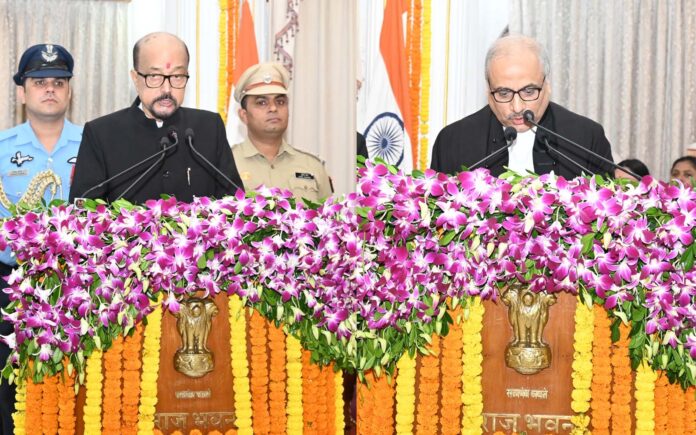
[
  {"x": 188, "y": 135},
  {"x": 166, "y": 145},
  {"x": 548, "y": 146},
  {"x": 528, "y": 116},
  {"x": 172, "y": 135},
  {"x": 510, "y": 135}
]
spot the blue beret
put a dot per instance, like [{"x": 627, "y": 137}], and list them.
[{"x": 44, "y": 60}]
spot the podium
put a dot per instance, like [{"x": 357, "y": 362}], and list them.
[{"x": 412, "y": 281}]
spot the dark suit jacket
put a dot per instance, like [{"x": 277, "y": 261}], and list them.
[
  {"x": 470, "y": 139},
  {"x": 114, "y": 142}
]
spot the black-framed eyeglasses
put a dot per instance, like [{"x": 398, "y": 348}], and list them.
[
  {"x": 177, "y": 81},
  {"x": 528, "y": 93}
]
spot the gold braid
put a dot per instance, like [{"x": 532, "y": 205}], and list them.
[{"x": 35, "y": 190}]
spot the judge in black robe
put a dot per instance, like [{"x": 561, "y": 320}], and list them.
[{"x": 471, "y": 139}]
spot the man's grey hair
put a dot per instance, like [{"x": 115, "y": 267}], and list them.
[{"x": 510, "y": 43}]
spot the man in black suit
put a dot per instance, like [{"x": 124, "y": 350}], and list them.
[
  {"x": 117, "y": 141},
  {"x": 517, "y": 71}
]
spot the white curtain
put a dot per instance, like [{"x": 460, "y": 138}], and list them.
[
  {"x": 322, "y": 97},
  {"x": 93, "y": 31},
  {"x": 627, "y": 64}
]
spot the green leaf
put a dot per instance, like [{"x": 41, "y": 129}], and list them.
[
  {"x": 202, "y": 262},
  {"x": 587, "y": 242},
  {"x": 447, "y": 238}
]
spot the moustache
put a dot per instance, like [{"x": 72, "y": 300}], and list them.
[{"x": 166, "y": 96}]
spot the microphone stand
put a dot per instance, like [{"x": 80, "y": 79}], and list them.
[
  {"x": 529, "y": 117},
  {"x": 163, "y": 153},
  {"x": 548, "y": 146},
  {"x": 510, "y": 136},
  {"x": 163, "y": 143},
  {"x": 189, "y": 139}
]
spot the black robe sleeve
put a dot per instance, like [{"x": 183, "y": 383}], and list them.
[{"x": 90, "y": 168}]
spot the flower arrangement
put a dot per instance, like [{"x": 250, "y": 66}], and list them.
[{"x": 359, "y": 280}]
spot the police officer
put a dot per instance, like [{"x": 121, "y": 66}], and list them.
[
  {"x": 265, "y": 157},
  {"x": 40, "y": 153}
]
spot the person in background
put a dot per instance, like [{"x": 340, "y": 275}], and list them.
[
  {"x": 265, "y": 157},
  {"x": 634, "y": 165},
  {"x": 35, "y": 156},
  {"x": 684, "y": 170}
]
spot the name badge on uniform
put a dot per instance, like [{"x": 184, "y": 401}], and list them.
[
  {"x": 18, "y": 173},
  {"x": 304, "y": 175}
]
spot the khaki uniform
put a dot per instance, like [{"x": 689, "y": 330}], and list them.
[{"x": 300, "y": 172}]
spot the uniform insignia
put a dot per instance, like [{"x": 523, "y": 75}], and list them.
[
  {"x": 72, "y": 160},
  {"x": 304, "y": 175},
  {"x": 267, "y": 78},
  {"x": 245, "y": 176},
  {"x": 49, "y": 55},
  {"x": 19, "y": 159}
]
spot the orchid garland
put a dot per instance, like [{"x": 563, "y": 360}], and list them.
[{"x": 360, "y": 280}]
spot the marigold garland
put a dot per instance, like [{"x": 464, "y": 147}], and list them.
[
  {"x": 66, "y": 403},
  {"x": 150, "y": 370},
  {"x": 49, "y": 404},
  {"x": 582, "y": 367},
  {"x": 602, "y": 372},
  {"x": 310, "y": 394},
  {"x": 222, "y": 67},
  {"x": 113, "y": 376},
  {"x": 19, "y": 417},
  {"x": 33, "y": 405},
  {"x": 451, "y": 377},
  {"x": 413, "y": 47},
  {"x": 382, "y": 400},
  {"x": 405, "y": 394},
  {"x": 472, "y": 365},
  {"x": 294, "y": 385},
  {"x": 424, "y": 112},
  {"x": 240, "y": 366},
  {"x": 327, "y": 410},
  {"x": 675, "y": 408},
  {"x": 339, "y": 420},
  {"x": 132, "y": 346},
  {"x": 232, "y": 34},
  {"x": 645, "y": 399},
  {"x": 427, "y": 418},
  {"x": 259, "y": 372},
  {"x": 690, "y": 410},
  {"x": 277, "y": 376},
  {"x": 365, "y": 404},
  {"x": 93, "y": 393},
  {"x": 623, "y": 379},
  {"x": 662, "y": 420}
]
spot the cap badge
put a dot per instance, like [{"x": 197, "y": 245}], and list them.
[
  {"x": 267, "y": 79},
  {"x": 49, "y": 55}
]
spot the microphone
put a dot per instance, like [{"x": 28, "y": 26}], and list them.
[
  {"x": 528, "y": 116},
  {"x": 510, "y": 135},
  {"x": 548, "y": 146},
  {"x": 188, "y": 134},
  {"x": 165, "y": 144}
]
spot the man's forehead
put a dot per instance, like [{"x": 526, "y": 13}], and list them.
[{"x": 268, "y": 96}]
